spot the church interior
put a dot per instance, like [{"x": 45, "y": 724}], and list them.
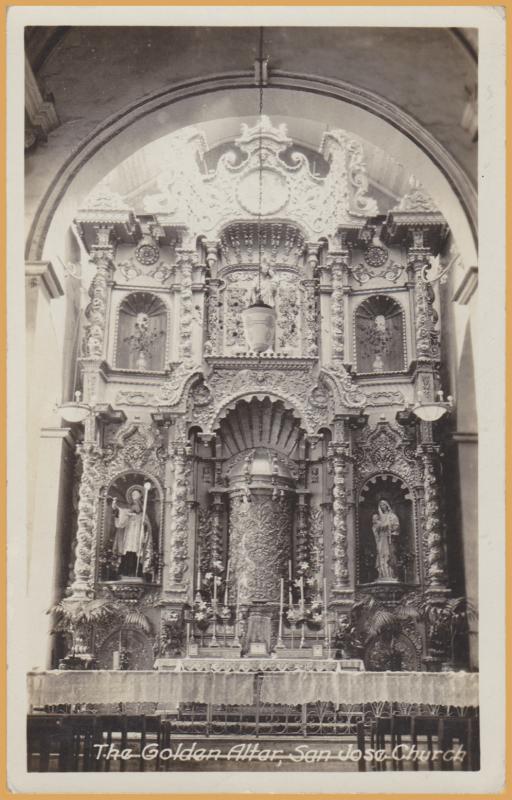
[{"x": 250, "y": 295}]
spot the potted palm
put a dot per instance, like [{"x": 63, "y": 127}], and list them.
[{"x": 375, "y": 620}]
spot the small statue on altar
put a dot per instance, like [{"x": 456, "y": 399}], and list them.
[
  {"x": 264, "y": 286},
  {"x": 133, "y": 542},
  {"x": 386, "y": 529}
]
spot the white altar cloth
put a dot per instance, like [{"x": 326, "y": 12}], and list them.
[{"x": 237, "y": 687}]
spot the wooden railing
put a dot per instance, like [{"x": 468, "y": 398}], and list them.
[{"x": 82, "y": 742}]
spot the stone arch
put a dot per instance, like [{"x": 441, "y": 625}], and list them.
[{"x": 332, "y": 101}]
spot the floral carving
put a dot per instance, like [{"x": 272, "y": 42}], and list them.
[
  {"x": 383, "y": 449},
  {"x": 385, "y": 398},
  {"x": 287, "y": 317},
  {"x": 427, "y": 337},
  {"x": 214, "y": 319},
  {"x": 338, "y": 454},
  {"x": 338, "y": 265},
  {"x": 310, "y": 319},
  {"x": 136, "y": 446},
  {"x": 179, "y": 532},
  {"x": 436, "y": 565},
  {"x": 87, "y": 516},
  {"x": 317, "y": 205},
  {"x": 316, "y": 521},
  {"x": 235, "y": 302},
  {"x": 97, "y": 309},
  {"x": 260, "y": 533},
  {"x": 185, "y": 262}
]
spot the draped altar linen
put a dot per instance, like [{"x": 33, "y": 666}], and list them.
[
  {"x": 437, "y": 688},
  {"x": 117, "y": 686},
  {"x": 237, "y": 687}
]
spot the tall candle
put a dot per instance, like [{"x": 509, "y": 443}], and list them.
[
  {"x": 227, "y": 583},
  {"x": 325, "y": 611},
  {"x": 214, "y": 588},
  {"x": 199, "y": 580},
  {"x": 281, "y": 604},
  {"x": 302, "y": 591}
]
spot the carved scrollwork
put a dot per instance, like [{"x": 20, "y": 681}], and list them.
[
  {"x": 383, "y": 449},
  {"x": 179, "y": 532},
  {"x": 136, "y": 446},
  {"x": 87, "y": 520},
  {"x": 338, "y": 454},
  {"x": 96, "y": 311}
]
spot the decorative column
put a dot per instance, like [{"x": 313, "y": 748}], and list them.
[
  {"x": 435, "y": 565},
  {"x": 338, "y": 455},
  {"x": 179, "y": 528},
  {"x": 302, "y": 531},
  {"x": 338, "y": 263},
  {"x": 213, "y": 320},
  {"x": 217, "y": 507},
  {"x": 96, "y": 311},
  {"x": 309, "y": 335},
  {"x": 427, "y": 338},
  {"x": 186, "y": 260},
  {"x": 83, "y": 584}
]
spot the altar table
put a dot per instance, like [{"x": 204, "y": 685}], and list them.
[{"x": 302, "y": 684}]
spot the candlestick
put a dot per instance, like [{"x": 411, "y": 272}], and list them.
[
  {"x": 326, "y": 640},
  {"x": 226, "y": 589},
  {"x": 281, "y": 606},
  {"x": 236, "y": 641}
]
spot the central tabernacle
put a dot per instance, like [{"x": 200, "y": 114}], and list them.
[{"x": 261, "y": 495}]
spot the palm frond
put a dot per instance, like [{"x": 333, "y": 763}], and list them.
[{"x": 138, "y": 620}]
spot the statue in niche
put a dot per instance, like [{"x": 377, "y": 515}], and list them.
[
  {"x": 379, "y": 339},
  {"x": 132, "y": 546},
  {"x": 142, "y": 339},
  {"x": 264, "y": 287},
  {"x": 386, "y": 529}
]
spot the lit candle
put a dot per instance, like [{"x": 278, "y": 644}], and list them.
[{"x": 199, "y": 580}]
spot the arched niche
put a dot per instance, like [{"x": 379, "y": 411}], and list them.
[
  {"x": 141, "y": 333},
  {"x": 387, "y": 551},
  {"x": 128, "y": 550},
  {"x": 380, "y": 335}
]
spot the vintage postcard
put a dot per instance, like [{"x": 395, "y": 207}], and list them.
[{"x": 256, "y": 399}]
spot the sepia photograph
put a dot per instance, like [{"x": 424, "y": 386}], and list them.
[{"x": 251, "y": 541}]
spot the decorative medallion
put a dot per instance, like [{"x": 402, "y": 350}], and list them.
[
  {"x": 274, "y": 192},
  {"x": 376, "y": 256},
  {"x": 147, "y": 252}
]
